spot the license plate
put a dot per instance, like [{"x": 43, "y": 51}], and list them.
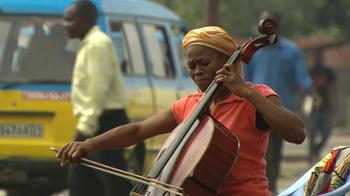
[{"x": 21, "y": 130}]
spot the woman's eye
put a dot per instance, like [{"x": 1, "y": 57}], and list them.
[
  {"x": 190, "y": 66},
  {"x": 205, "y": 63}
]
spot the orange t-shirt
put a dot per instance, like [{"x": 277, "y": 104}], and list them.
[{"x": 248, "y": 175}]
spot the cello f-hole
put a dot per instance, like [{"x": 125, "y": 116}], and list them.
[{"x": 167, "y": 193}]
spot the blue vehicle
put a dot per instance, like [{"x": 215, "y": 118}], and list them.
[{"x": 36, "y": 63}]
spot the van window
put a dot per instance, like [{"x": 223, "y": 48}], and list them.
[
  {"x": 38, "y": 50},
  {"x": 5, "y": 30},
  {"x": 128, "y": 46},
  {"x": 159, "y": 51}
]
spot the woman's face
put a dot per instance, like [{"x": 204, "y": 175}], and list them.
[{"x": 203, "y": 63}]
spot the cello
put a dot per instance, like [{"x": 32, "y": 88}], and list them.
[{"x": 189, "y": 158}]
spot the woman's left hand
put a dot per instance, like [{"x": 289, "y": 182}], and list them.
[{"x": 230, "y": 76}]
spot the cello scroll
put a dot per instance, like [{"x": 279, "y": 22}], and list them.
[{"x": 269, "y": 29}]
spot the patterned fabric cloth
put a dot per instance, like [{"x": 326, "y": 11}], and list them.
[
  {"x": 213, "y": 37},
  {"x": 330, "y": 173}
]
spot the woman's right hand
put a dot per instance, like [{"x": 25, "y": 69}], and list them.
[{"x": 73, "y": 151}]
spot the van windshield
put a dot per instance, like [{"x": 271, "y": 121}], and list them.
[{"x": 35, "y": 49}]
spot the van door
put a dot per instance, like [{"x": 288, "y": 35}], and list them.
[
  {"x": 164, "y": 55},
  {"x": 125, "y": 36},
  {"x": 162, "y": 68}
]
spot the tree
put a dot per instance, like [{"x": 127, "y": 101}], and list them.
[
  {"x": 299, "y": 17},
  {"x": 212, "y": 12}
]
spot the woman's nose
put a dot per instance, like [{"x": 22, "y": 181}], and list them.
[{"x": 198, "y": 70}]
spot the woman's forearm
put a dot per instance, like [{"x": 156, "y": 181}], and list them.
[
  {"x": 119, "y": 137},
  {"x": 287, "y": 124}
]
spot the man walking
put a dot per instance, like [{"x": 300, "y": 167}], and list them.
[{"x": 98, "y": 99}]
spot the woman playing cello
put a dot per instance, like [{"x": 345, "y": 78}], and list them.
[{"x": 248, "y": 110}]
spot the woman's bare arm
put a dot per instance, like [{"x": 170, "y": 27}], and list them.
[{"x": 119, "y": 137}]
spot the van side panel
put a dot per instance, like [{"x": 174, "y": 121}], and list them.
[{"x": 32, "y": 118}]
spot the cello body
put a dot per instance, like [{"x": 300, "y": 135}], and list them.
[{"x": 206, "y": 159}]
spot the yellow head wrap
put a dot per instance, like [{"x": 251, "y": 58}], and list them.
[{"x": 213, "y": 37}]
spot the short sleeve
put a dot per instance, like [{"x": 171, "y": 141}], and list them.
[
  {"x": 257, "y": 117},
  {"x": 176, "y": 108},
  {"x": 265, "y": 90},
  {"x": 183, "y": 107}
]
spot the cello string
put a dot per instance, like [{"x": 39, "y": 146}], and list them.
[
  {"x": 139, "y": 188},
  {"x": 134, "y": 179}
]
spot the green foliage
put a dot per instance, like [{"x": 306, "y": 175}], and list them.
[
  {"x": 298, "y": 17},
  {"x": 191, "y": 11}
]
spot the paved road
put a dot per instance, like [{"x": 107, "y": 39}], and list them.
[{"x": 295, "y": 163}]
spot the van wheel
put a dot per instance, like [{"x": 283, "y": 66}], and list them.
[{"x": 136, "y": 159}]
